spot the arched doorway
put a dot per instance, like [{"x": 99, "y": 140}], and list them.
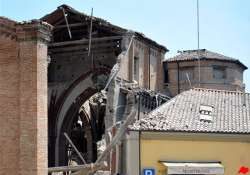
[{"x": 71, "y": 119}]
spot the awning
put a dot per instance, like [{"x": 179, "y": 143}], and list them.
[{"x": 194, "y": 168}]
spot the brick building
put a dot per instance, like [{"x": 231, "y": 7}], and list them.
[{"x": 216, "y": 72}]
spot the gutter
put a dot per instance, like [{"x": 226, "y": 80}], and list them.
[{"x": 194, "y": 135}]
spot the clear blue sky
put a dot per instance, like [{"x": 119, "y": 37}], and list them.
[{"x": 224, "y": 24}]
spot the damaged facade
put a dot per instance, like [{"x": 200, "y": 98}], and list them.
[{"x": 77, "y": 73}]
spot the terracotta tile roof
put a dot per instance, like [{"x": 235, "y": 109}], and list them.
[
  {"x": 190, "y": 55},
  {"x": 231, "y": 113}
]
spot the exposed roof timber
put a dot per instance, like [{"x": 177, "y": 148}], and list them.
[
  {"x": 82, "y": 41},
  {"x": 55, "y": 16},
  {"x": 62, "y": 20},
  {"x": 90, "y": 32},
  {"x": 75, "y": 32},
  {"x": 84, "y": 47},
  {"x": 50, "y": 18},
  {"x": 83, "y": 53},
  {"x": 67, "y": 23},
  {"x": 71, "y": 25}
]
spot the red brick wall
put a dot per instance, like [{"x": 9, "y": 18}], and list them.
[
  {"x": 23, "y": 98},
  {"x": 9, "y": 106}
]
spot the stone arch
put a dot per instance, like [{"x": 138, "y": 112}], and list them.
[{"x": 70, "y": 102}]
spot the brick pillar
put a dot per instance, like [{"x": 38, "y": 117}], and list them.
[
  {"x": 32, "y": 38},
  {"x": 9, "y": 99}
]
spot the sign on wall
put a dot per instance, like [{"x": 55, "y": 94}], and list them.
[
  {"x": 148, "y": 171},
  {"x": 194, "y": 168}
]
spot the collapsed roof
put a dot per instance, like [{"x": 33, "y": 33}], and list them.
[{"x": 79, "y": 20}]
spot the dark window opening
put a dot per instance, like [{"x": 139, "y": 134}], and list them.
[
  {"x": 136, "y": 69},
  {"x": 219, "y": 72},
  {"x": 165, "y": 69}
]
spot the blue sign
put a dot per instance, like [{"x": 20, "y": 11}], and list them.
[{"x": 148, "y": 172}]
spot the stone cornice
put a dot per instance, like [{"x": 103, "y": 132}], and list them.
[
  {"x": 34, "y": 30},
  {"x": 7, "y": 28}
]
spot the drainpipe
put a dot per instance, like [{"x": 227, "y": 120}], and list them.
[
  {"x": 139, "y": 153},
  {"x": 178, "y": 76},
  {"x": 117, "y": 158}
]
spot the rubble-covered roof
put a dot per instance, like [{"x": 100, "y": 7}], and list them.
[
  {"x": 190, "y": 55},
  {"x": 56, "y": 15},
  {"x": 231, "y": 113}
]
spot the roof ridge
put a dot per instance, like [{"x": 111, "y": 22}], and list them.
[
  {"x": 218, "y": 90},
  {"x": 225, "y": 56},
  {"x": 205, "y": 54},
  {"x": 3, "y": 18}
]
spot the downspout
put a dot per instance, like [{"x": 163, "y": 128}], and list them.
[
  {"x": 178, "y": 76},
  {"x": 117, "y": 158},
  {"x": 139, "y": 153}
]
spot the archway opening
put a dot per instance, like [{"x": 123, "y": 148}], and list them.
[{"x": 84, "y": 124}]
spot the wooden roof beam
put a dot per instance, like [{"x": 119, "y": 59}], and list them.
[
  {"x": 71, "y": 25},
  {"x": 84, "y": 41},
  {"x": 85, "y": 47}
]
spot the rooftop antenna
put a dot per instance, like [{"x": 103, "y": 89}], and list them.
[{"x": 198, "y": 42}]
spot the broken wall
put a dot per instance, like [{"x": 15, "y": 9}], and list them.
[{"x": 150, "y": 63}]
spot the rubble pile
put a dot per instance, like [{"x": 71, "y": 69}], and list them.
[{"x": 151, "y": 122}]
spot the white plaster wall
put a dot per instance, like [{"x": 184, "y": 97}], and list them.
[{"x": 132, "y": 160}]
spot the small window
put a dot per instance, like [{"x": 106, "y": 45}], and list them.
[
  {"x": 187, "y": 72},
  {"x": 206, "y": 113},
  {"x": 219, "y": 72},
  {"x": 136, "y": 69},
  {"x": 165, "y": 69},
  {"x": 121, "y": 106}
]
